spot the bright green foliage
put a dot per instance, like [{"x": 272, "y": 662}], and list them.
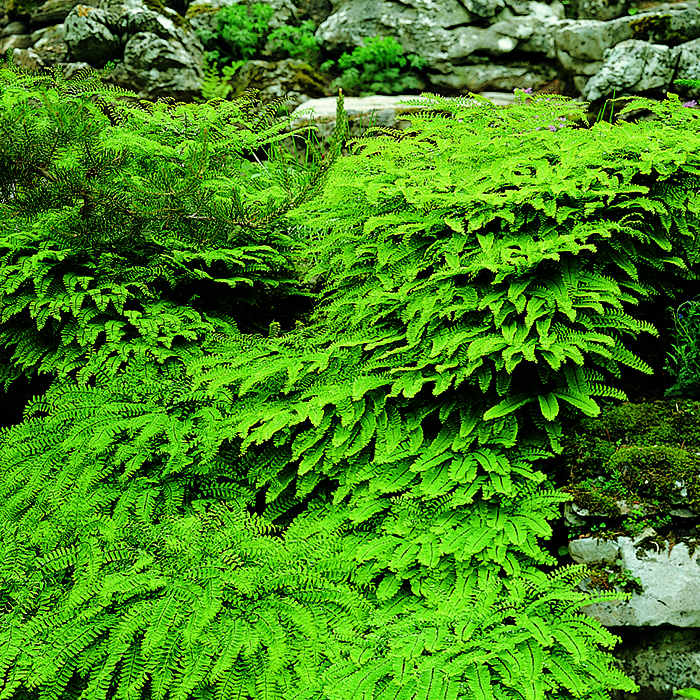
[
  {"x": 244, "y": 32},
  {"x": 378, "y": 58},
  {"x": 241, "y": 29},
  {"x": 241, "y": 33},
  {"x": 124, "y": 189},
  {"x": 296, "y": 42},
  {"x": 348, "y": 509},
  {"x": 213, "y": 85}
]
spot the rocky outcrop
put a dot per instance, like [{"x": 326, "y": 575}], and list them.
[
  {"x": 660, "y": 660},
  {"x": 501, "y": 45},
  {"x": 583, "y": 49},
  {"x": 634, "y": 472},
  {"x": 659, "y": 625},
  {"x": 586, "y": 49},
  {"x": 155, "y": 52},
  {"x": 669, "y": 578}
]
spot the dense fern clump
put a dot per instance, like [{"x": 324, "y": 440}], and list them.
[{"x": 349, "y": 506}]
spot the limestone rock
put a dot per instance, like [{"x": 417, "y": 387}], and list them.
[
  {"x": 659, "y": 660},
  {"x": 377, "y": 110},
  {"x": 670, "y": 578},
  {"x": 586, "y": 49},
  {"x": 291, "y": 77}
]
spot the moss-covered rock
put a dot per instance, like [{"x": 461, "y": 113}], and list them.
[{"x": 646, "y": 456}]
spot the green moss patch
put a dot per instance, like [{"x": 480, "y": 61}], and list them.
[{"x": 646, "y": 455}]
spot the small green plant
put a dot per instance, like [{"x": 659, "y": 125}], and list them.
[
  {"x": 296, "y": 42},
  {"x": 240, "y": 35},
  {"x": 240, "y": 30},
  {"x": 378, "y": 58},
  {"x": 244, "y": 33},
  {"x": 683, "y": 360},
  {"x": 687, "y": 83},
  {"x": 611, "y": 577},
  {"x": 214, "y": 85},
  {"x": 688, "y": 693},
  {"x": 636, "y": 521}
]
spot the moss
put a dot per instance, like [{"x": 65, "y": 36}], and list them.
[
  {"x": 594, "y": 501},
  {"x": 641, "y": 26},
  {"x": 200, "y": 10},
  {"x": 22, "y": 8},
  {"x": 644, "y": 454},
  {"x": 158, "y": 6},
  {"x": 648, "y": 28},
  {"x": 665, "y": 474},
  {"x": 612, "y": 577}
]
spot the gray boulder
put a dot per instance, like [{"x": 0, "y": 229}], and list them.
[
  {"x": 659, "y": 626},
  {"x": 583, "y": 49},
  {"x": 670, "y": 577},
  {"x": 363, "y": 112},
  {"x": 659, "y": 660},
  {"x": 155, "y": 51},
  {"x": 500, "y": 45}
]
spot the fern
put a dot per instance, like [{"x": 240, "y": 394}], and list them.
[{"x": 352, "y": 508}]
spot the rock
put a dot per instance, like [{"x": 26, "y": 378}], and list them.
[
  {"x": 295, "y": 79},
  {"x": 480, "y": 46},
  {"x": 659, "y": 660},
  {"x": 585, "y": 49},
  {"x": 669, "y": 576},
  {"x": 156, "y": 53},
  {"x": 610, "y": 460}
]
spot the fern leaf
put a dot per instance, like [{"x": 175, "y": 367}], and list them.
[
  {"x": 478, "y": 679},
  {"x": 566, "y": 676},
  {"x": 584, "y": 403},
  {"x": 233, "y": 685},
  {"x": 508, "y": 405}
]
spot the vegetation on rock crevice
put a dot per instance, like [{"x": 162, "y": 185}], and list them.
[{"x": 645, "y": 454}]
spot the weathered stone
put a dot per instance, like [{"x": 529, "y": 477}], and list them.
[
  {"x": 155, "y": 52},
  {"x": 670, "y": 578},
  {"x": 465, "y": 45},
  {"x": 297, "y": 79},
  {"x": 14, "y": 28},
  {"x": 659, "y": 660},
  {"x": 644, "y": 67},
  {"x": 377, "y": 110},
  {"x": 489, "y": 46}
]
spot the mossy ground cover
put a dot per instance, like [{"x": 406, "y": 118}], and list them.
[{"x": 646, "y": 455}]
